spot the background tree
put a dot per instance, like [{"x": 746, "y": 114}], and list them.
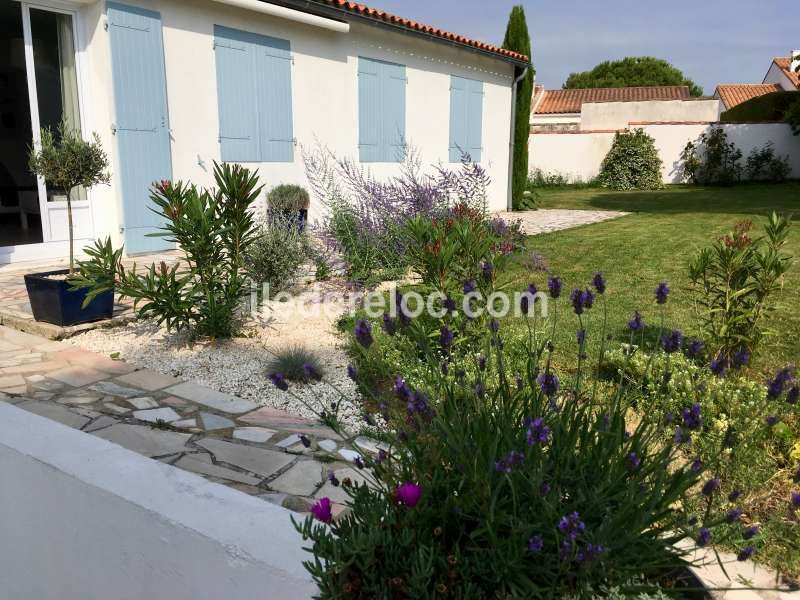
[
  {"x": 518, "y": 40},
  {"x": 631, "y": 71}
]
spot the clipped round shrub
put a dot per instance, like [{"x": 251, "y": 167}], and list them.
[
  {"x": 288, "y": 198},
  {"x": 296, "y": 363},
  {"x": 632, "y": 163}
]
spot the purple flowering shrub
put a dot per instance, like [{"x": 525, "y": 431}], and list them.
[
  {"x": 735, "y": 281},
  {"x": 364, "y": 215},
  {"x": 533, "y": 485}
]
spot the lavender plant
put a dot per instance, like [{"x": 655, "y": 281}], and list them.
[
  {"x": 531, "y": 485},
  {"x": 365, "y": 214}
]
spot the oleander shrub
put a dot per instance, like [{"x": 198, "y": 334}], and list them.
[
  {"x": 532, "y": 485},
  {"x": 735, "y": 281},
  {"x": 711, "y": 160},
  {"x": 764, "y": 165},
  {"x": 632, "y": 163},
  {"x": 277, "y": 253},
  {"x": 213, "y": 229}
]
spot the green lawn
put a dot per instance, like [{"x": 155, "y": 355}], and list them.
[{"x": 653, "y": 244}]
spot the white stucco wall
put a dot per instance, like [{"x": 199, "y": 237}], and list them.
[
  {"x": 84, "y": 519},
  {"x": 616, "y": 115},
  {"x": 324, "y": 94},
  {"x": 580, "y": 154}
]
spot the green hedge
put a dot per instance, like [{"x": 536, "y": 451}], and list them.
[{"x": 770, "y": 107}]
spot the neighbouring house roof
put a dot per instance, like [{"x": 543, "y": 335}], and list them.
[
  {"x": 570, "y": 101},
  {"x": 393, "y": 20},
  {"x": 732, "y": 94},
  {"x": 783, "y": 63}
]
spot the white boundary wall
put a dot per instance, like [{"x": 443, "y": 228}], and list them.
[
  {"x": 84, "y": 519},
  {"x": 579, "y": 154}
]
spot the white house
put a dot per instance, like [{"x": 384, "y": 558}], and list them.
[
  {"x": 609, "y": 109},
  {"x": 172, "y": 85},
  {"x": 782, "y": 76}
]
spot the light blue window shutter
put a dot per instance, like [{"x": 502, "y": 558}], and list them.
[
  {"x": 393, "y": 124},
  {"x": 474, "y": 144},
  {"x": 274, "y": 75},
  {"x": 236, "y": 95},
  {"x": 458, "y": 118},
  {"x": 369, "y": 110}
]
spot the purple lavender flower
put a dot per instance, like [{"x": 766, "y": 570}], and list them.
[
  {"x": 580, "y": 336},
  {"x": 734, "y": 495},
  {"x": 589, "y": 553},
  {"x": 538, "y": 432},
  {"x": 745, "y": 553},
  {"x": 672, "y": 342},
  {"x": 636, "y": 323},
  {"x": 359, "y": 462},
  {"x": 311, "y": 372},
  {"x": 682, "y": 436},
  {"x": 697, "y": 465},
  {"x": 776, "y": 385},
  {"x": 795, "y": 500},
  {"x": 389, "y": 324},
  {"x": 750, "y": 532},
  {"x": 711, "y": 486},
  {"x": 449, "y": 304},
  {"x": 487, "y": 270},
  {"x": 363, "y": 333},
  {"x": 719, "y": 365},
  {"x": 535, "y": 544},
  {"x": 695, "y": 348},
  {"x": 352, "y": 372},
  {"x": 279, "y": 381},
  {"x": 545, "y": 488},
  {"x": 445, "y": 337},
  {"x": 692, "y": 418},
  {"x": 402, "y": 313},
  {"x": 599, "y": 283},
  {"x": 333, "y": 479},
  {"x": 505, "y": 465},
  {"x": 704, "y": 537},
  {"x": 479, "y": 390},
  {"x": 771, "y": 420},
  {"x": 632, "y": 461},
  {"x": 740, "y": 359},
  {"x": 401, "y": 388},
  {"x": 571, "y": 525},
  {"x": 548, "y": 382},
  {"x": 482, "y": 363},
  {"x": 581, "y": 299},
  {"x": 733, "y": 515},
  {"x": 381, "y": 456},
  {"x": 793, "y": 394},
  {"x": 662, "y": 292},
  {"x": 469, "y": 286},
  {"x": 554, "y": 284}
]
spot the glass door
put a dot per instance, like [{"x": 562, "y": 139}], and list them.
[{"x": 42, "y": 44}]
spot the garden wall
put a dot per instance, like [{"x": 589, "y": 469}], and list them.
[
  {"x": 84, "y": 519},
  {"x": 579, "y": 154}
]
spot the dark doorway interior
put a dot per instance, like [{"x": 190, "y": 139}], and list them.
[{"x": 20, "y": 220}]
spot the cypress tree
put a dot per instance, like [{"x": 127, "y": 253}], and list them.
[{"x": 518, "y": 40}]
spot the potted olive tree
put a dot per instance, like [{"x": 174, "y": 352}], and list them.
[
  {"x": 289, "y": 204},
  {"x": 66, "y": 161}
]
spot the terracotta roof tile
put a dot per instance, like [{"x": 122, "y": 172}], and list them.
[
  {"x": 570, "y": 101},
  {"x": 783, "y": 63},
  {"x": 732, "y": 94},
  {"x": 380, "y": 15}
]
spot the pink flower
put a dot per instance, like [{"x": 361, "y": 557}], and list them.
[
  {"x": 322, "y": 510},
  {"x": 408, "y": 494}
]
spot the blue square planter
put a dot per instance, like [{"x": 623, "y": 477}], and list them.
[{"x": 53, "y": 302}]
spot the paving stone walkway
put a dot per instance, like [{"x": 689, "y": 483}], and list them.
[
  {"x": 261, "y": 451},
  {"x": 546, "y": 220}
]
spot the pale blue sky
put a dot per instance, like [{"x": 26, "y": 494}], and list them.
[{"x": 711, "y": 41}]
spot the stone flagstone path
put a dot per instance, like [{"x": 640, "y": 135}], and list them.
[
  {"x": 546, "y": 220},
  {"x": 258, "y": 450}
]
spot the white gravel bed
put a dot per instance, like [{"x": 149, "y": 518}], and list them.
[{"x": 239, "y": 366}]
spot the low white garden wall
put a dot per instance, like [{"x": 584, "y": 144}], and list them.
[
  {"x": 84, "y": 519},
  {"x": 579, "y": 154}
]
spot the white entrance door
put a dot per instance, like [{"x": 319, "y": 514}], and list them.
[{"x": 48, "y": 63}]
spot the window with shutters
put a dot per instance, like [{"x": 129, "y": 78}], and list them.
[
  {"x": 466, "y": 118},
  {"x": 381, "y": 110},
  {"x": 254, "y": 91}
]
